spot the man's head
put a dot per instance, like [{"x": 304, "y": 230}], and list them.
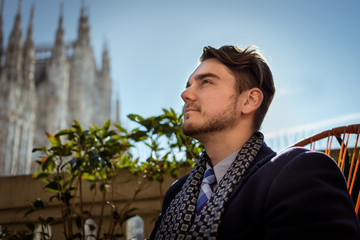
[
  {"x": 250, "y": 71},
  {"x": 230, "y": 87}
]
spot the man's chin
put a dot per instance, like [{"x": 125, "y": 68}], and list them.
[
  {"x": 188, "y": 130},
  {"x": 191, "y": 131}
]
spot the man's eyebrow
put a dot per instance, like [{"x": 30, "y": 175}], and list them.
[
  {"x": 202, "y": 76},
  {"x": 205, "y": 75}
]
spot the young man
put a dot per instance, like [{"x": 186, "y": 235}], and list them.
[{"x": 240, "y": 188}]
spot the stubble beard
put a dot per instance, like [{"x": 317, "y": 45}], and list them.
[{"x": 225, "y": 119}]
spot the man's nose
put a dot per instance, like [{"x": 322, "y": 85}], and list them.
[{"x": 188, "y": 95}]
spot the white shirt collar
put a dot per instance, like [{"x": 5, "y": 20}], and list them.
[{"x": 221, "y": 168}]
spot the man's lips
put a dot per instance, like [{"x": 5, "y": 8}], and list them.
[{"x": 191, "y": 109}]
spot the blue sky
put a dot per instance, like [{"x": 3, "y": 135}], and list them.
[{"x": 312, "y": 47}]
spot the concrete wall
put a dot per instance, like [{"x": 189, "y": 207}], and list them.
[{"x": 17, "y": 193}]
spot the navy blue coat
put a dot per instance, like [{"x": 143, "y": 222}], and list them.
[{"x": 297, "y": 194}]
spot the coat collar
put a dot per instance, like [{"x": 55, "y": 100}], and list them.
[{"x": 264, "y": 155}]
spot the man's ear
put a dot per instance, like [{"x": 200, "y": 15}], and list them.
[{"x": 254, "y": 97}]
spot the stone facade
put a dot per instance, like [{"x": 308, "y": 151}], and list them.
[{"x": 43, "y": 89}]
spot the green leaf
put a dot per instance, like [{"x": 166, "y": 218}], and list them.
[
  {"x": 52, "y": 186},
  {"x": 37, "y": 204},
  {"x": 89, "y": 177},
  {"x": 40, "y": 174},
  {"x": 64, "y": 132},
  {"x": 131, "y": 210},
  {"x": 57, "y": 178},
  {"x": 135, "y": 118},
  {"x": 66, "y": 197},
  {"x": 116, "y": 138},
  {"x": 149, "y": 123},
  {"x": 77, "y": 126},
  {"x": 29, "y": 212},
  {"x": 62, "y": 150},
  {"x": 67, "y": 163},
  {"x": 54, "y": 196},
  {"x": 106, "y": 125},
  {"x": 76, "y": 163},
  {"x": 46, "y": 162},
  {"x": 52, "y": 139},
  {"x": 39, "y": 149},
  {"x": 138, "y": 135},
  {"x": 120, "y": 128}
]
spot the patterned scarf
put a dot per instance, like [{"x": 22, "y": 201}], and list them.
[{"x": 179, "y": 220}]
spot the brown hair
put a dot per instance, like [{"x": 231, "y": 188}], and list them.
[{"x": 250, "y": 70}]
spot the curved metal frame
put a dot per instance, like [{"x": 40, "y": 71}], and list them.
[{"x": 347, "y": 166}]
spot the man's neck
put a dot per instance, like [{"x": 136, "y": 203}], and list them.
[{"x": 221, "y": 144}]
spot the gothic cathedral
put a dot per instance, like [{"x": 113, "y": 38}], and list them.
[{"x": 44, "y": 88}]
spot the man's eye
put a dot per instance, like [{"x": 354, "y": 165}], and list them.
[{"x": 205, "y": 82}]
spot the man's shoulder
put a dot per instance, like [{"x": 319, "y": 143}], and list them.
[
  {"x": 296, "y": 158},
  {"x": 300, "y": 153},
  {"x": 292, "y": 159}
]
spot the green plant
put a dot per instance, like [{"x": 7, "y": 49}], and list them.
[
  {"x": 94, "y": 156},
  {"x": 78, "y": 155},
  {"x": 169, "y": 149}
]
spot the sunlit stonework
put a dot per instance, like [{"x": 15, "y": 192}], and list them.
[{"x": 43, "y": 88}]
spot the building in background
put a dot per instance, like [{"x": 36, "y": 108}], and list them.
[
  {"x": 280, "y": 140},
  {"x": 44, "y": 88}
]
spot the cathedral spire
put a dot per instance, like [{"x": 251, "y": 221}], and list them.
[
  {"x": 59, "y": 48},
  {"x": 117, "y": 110},
  {"x": 29, "y": 39},
  {"x": 29, "y": 51},
  {"x": 15, "y": 36},
  {"x": 105, "y": 60},
  {"x": 1, "y": 30},
  {"x": 82, "y": 11},
  {"x": 83, "y": 29},
  {"x": 13, "y": 52}
]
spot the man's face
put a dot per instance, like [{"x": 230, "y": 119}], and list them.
[{"x": 211, "y": 101}]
